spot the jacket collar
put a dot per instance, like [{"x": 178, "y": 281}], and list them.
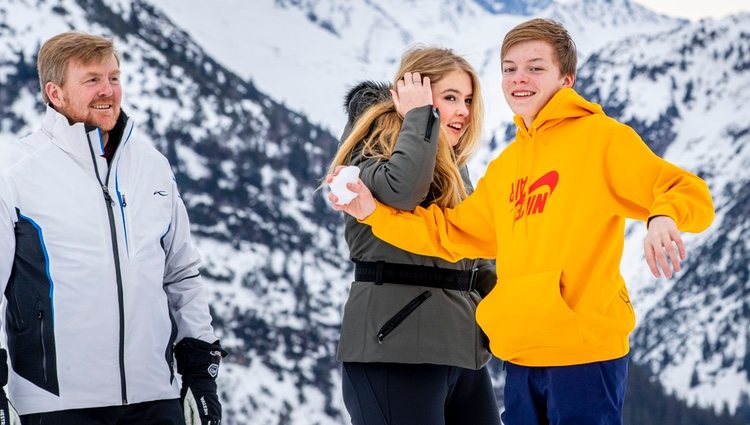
[
  {"x": 565, "y": 104},
  {"x": 73, "y": 139},
  {"x": 80, "y": 141}
]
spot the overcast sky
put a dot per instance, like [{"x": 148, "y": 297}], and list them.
[{"x": 695, "y": 9}]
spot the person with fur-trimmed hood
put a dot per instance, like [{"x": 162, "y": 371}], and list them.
[{"x": 410, "y": 346}]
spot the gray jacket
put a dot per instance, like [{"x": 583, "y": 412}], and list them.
[{"x": 442, "y": 328}]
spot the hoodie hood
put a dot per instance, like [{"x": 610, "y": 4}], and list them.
[{"x": 566, "y": 103}]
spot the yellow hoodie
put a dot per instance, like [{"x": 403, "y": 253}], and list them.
[{"x": 551, "y": 210}]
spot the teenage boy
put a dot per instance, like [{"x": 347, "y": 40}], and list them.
[{"x": 551, "y": 209}]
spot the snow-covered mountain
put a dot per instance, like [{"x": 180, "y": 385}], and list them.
[
  {"x": 245, "y": 100},
  {"x": 308, "y": 53}
]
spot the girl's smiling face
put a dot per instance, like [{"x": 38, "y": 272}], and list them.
[{"x": 452, "y": 96}]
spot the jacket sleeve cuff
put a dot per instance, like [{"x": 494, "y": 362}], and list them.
[
  {"x": 426, "y": 121},
  {"x": 653, "y": 216},
  {"x": 380, "y": 216},
  {"x": 668, "y": 210}
]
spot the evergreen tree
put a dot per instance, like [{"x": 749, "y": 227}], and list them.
[
  {"x": 743, "y": 409},
  {"x": 646, "y": 403}
]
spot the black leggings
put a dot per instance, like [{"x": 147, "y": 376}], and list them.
[
  {"x": 160, "y": 412},
  {"x": 418, "y": 394}
]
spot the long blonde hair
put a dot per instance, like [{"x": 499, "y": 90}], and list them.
[{"x": 378, "y": 127}]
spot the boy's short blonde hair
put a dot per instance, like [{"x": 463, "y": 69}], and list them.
[{"x": 545, "y": 30}]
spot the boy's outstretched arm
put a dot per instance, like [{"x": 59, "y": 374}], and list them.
[
  {"x": 646, "y": 187},
  {"x": 465, "y": 231}
]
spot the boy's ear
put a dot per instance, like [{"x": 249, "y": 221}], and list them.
[{"x": 569, "y": 80}]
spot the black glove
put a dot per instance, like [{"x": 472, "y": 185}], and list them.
[
  {"x": 198, "y": 363},
  {"x": 8, "y": 415}
]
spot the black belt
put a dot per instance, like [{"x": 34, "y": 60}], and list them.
[{"x": 408, "y": 274}]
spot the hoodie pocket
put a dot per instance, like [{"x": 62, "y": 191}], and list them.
[
  {"x": 401, "y": 315},
  {"x": 526, "y": 312}
]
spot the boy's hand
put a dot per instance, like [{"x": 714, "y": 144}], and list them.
[
  {"x": 411, "y": 92},
  {"x": 660, "y": 243},
  {"x": 360, "y": 207}
]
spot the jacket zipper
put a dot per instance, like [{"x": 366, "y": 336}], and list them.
[
  {"x": 40, "y": 316},
  {"x": 125, "y": 221},
  {"x": 430, "y": 122},
  {"x": 402, "y": 314},
  {"x": 109, "y": 203}
]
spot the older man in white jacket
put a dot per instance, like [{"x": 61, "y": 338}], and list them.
[{"x": 96, "y": 265}]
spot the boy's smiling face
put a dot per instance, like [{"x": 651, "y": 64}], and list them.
[{"x": 531, "y": 76}]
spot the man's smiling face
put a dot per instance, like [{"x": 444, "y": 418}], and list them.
[{"x": 90, "y": 94}]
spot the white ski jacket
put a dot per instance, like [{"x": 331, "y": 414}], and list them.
[{"x": 97, "y": 270}]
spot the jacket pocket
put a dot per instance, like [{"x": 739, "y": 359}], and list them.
[
  {"x": 526, "y": 312},
  {"x": 127, "y": 232},
  {"x": 13, "y": 314},
  {"x": 29, "y": 315},
  {"x": 32, "y": 348},
  {"x": 401, "y": 315},
  {"x": 146, "y": 217}
]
